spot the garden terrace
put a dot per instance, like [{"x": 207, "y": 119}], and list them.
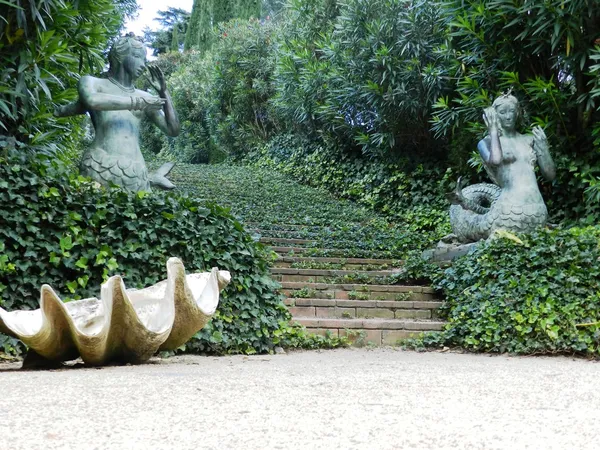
[{"x": 329, "y": 255}]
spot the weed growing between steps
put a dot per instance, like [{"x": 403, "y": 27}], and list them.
[{"x": 531, "y": 294}]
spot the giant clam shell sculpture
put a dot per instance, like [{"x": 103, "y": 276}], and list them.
[{"x": 123, "y": 325}]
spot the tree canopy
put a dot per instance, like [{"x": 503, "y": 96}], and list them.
[
  {"x": 44, "y": 48},
  {"x": 174, "y": 23}
]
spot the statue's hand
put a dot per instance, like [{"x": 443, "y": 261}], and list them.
[
  {"x": 147, "y": 103},
  {"x": 157, "y": 79},
  {"x": 540, "y": 141},
  {"x": 491, "y": 119}
]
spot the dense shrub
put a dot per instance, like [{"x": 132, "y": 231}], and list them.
[
  {"x": 528, "y": 294},
  {"x": 363, "y": 72},
  {"x": 242, "y": 86},
  {"x": 44, "y": 47},
  {"x": 192, "y": 97},
  {"x": 66, "y": 232},
  {"x": 222, "y": 95}
]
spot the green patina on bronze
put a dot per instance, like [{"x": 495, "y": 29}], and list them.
[
  {"x": 117, "y": 109},
  {"x": 514, "y": 202}
]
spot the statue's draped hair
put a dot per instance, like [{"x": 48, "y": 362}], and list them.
[
  {"x": 123, "y": 47},
  {"x": 506, "y": 99}
]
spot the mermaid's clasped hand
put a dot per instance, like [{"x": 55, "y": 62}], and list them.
[{"x": 146, "y": 104}]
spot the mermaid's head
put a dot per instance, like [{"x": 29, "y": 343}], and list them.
[
  {"x": 129, "y": 45},
  {"x": 507, "y": 110}
]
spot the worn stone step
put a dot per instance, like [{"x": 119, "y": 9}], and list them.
[
  {"x": 363, "y": 287},
  {"x": 324, "y": 275},
  {"x": 357, "y": 291},
  {"x": 372, "y": 324},
  {"x": 370, "y": 331},
  {"x": 283, "y": 226},
  {"x": 273, "y": 240},
  {"x": 362, "y": 309},
  {"x": 332, "y": 302},
  {"x": 330, "y": 272},
  {"x": 289, "y": 250},
  {"x": 289, "y": 234},
  {"x": 348, "y": 263}
]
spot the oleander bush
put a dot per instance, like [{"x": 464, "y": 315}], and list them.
[
  {"x": 63, "y": 230},
  {"x": 45, "y": 46}
]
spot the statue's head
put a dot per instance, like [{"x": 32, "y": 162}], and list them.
[
  {"x": 507, "y": 110},
  {"x": 128, "y": 52}
]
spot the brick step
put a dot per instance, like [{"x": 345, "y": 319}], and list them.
[
  {"x": 375, "y": 331},
  {"x": 348, "y": 263},
  {"x": 322, "y": 275},
  {"x": 272, "y": 240},
  {"x": 287, "y": 234},
  {"x": 357, "y": 291},
  {"x": 283, "y": 250},
  {"x": 365, "y": 309},
  {"x": 284, "y": 226}
]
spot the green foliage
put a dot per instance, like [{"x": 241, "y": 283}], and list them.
[
  {"x": 198, "y": 35},
  {"x": 271, "y": 8},
  {"x": 207, "y": 14},
  {"x": 44, "y": 47},
  {"x": 363, "y": 72},
  {"x": 64, "y": 231},
  {"x": 531, "y": 294},
  {"x": 410, "y": 194},
  {"x": 191, "y": 92},
  {"x": 545, "y": 53},
  {"x": 222, "y": 96},
  {"x": 174, "y": 23},
  {"x": 301, "y": 68},
  {"x": 241, "y": 87},
  {"x": 418, "y": 271}
]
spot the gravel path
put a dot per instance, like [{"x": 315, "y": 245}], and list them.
[{"x": 343, "y": 399}]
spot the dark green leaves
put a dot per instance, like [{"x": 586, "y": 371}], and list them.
[
  {"x": 529, "y": 298},
  {"x": 74, "y": 235}
]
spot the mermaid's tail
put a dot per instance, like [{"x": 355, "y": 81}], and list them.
[
  {"x": 159, "y": 178},
  {"x": 129, "y": 173},
  {"x": 472, "y": 217},
  {"x": 481, "y": 211}
]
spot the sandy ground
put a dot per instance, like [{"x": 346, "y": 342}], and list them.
[{"x": 343, "y": 399}]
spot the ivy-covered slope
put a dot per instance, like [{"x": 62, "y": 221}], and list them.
[
  {"x": 267, "y": 200},
  {"x": 63, "y": 231}
]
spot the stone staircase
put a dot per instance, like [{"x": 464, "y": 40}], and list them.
[{"x": 348, "y": 296}]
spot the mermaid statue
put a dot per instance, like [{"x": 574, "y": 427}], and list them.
[
  {"x": 117, "y": 108},
  {"x": 514, "y": 202}
]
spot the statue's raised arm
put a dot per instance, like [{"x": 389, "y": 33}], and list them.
[
  {"x": 117, "y": 108},
  {"x": 514, "y": 202}
]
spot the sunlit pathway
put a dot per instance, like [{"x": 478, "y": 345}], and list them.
[{"x": 344, "y": 399}]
